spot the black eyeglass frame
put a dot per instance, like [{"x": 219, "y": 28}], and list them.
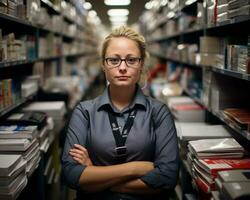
[{"x": 121, "y": 60}]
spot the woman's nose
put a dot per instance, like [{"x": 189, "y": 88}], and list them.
[{"x": 123, "y": 66}]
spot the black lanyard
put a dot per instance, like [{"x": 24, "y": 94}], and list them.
[{"x": 121, "y": 137}]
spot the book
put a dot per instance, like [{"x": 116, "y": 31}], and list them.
[
  {"x": 8, "y": 163},
  {"x": 17, "y": 190},
  {"x": 234, "y": 176},
  {"x": 188, "y": 112},
  {"x": 212, "y": 166},
  {"x": 26, "y": 118},
  {"x": 55, "y": 109},
  {"x": 13, "y": 184},
  {"x": 239, "y": 118},
  {"x": 236, "y": 190},
  {"x": 8, "y": 178},
  {"x": 216, "y": 148},
  {"x": 15, "y": 131},
  {"x": 192, "y": 131},
  {"x": 11, "y": 145}
]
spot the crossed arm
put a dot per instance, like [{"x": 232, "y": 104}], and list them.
[{"x": 123, "y": 178}]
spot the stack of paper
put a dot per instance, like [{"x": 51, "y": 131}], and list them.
[
  {"x": 184, "y": 109},
  {"x": 32, "y": 157},
  {"x": 216, "y": 148},
  {"x": 179, "y": 100},
  {"x": 194, "y": 131},
  {"x": 28, "y": 149},
  {"x": 233, "y": 178},
  {"x": 14, "y": 144},
  {"x": 188, "y": 112},
  {"x": 12, "y": 176},
  {"x": 16, "y": 131},
  {"x": 236, "y": 190},
  {"x": 206, "y": 170},
  {"x": 54, "y": 109}
]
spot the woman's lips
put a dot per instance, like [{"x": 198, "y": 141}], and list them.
[{"x": 122, "y": 77}]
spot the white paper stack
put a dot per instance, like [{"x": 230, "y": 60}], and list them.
[
  {"x": 12, "y": 176},
  {"x": 200, "y": 130},
  {"x": 184, "y": 109},
  {"x": 196, "y": 131},
  {"x": 179, "y": 100},
  {"x": 16, "y": 131},
  {"x": 14, "y": 144},
  {"x": 54, "y": 109},
  {"x": 216, "y": 148},
  {"x": 32, "y": 157},
  {"x": 29, "y": 150}
]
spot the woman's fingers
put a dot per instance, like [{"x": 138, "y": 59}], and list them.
[
  {"x": 77, "y": 155},
  {"x": 78, "y": 151},
  {"x": 80, "y": 154},
  {"x": 80, "y": 147},
  {"x": 78, "y": 160}
]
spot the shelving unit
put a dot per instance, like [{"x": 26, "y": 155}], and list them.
[
  {"x": 53, "y": 50},
  {"x": 176, "y": 39}
]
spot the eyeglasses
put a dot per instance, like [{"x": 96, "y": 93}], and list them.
[{"x": 133, "y": 62}]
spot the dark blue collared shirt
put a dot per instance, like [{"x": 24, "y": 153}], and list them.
[{"x": 151, "y": 138}]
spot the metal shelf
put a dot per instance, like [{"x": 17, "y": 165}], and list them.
[
  {"x": 231, "y": 73},
  {"x": 160, "y": 55},
  {"x": 16, "y": 20},
  {"x": 55, "y": 9},
  {"x": 15, "y": 63},
  {"x": 12, "y": 107}
]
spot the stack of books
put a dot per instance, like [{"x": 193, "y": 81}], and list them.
[
  {"x": 208, "y": 157},
  {"x": 222, "y": 11},
  {"x": 233, "y": 184},
  {"x": 12, "y": 176},
  {"x": 54, "y": 109},
  {"x": 239, "y": 118},
  {"x": 184, "y": 109},
  {"x": 21, "y": 140},
  {"x": 238, "y": 8},
  {"x": 191, "y": 131}
]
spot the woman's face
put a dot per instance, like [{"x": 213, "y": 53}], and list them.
[{"x": 127, "y": 73}]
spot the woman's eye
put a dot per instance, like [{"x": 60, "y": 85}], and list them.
[
  {"x": 131, "y": 60},
  {"x": 114, "y": 60}
]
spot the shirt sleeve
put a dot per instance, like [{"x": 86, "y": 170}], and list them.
[
  {"x": 76, "y": 134},
  {"x": 166, "y": 162}
]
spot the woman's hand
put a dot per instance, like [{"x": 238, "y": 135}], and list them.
[{"x": 80, "y": 155}]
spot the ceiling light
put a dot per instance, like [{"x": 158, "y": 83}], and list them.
[
  {"x": 189, "y": 2},
  {"x": 117, "y": 2},
  {"x": 87, "y": 5},
  {"x": 118, "y": 12},
  {"x": 149, "y": 5},
  {"x": 92, "y": 13},
  {"x": 118, "y": 19}
]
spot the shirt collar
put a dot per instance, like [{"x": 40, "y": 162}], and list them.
[{"x": 139, "y": 100}]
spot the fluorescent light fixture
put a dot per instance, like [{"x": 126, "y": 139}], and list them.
[
  {"x": 92, "y": 13},
  {"x": 170, "y": 14},
  {"x": 164, "y": 2},
  {"x": 118, "y": 12},
  {"x": 149, "y": 5},
  {"x": 117, "y": 2},
  {"x": 117, "y": 24},
  {"x": 87, "y": 5},
  {"x": 118, "y": 19},
  {"x": 189, "y": 2}
]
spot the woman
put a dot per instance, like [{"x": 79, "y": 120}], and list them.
[{"x": 122, "y": 144}]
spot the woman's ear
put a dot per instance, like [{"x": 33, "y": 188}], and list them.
[{"x": 103, "y": 69}]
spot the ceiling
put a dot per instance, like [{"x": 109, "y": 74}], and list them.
[{"x": 135, "y": 8}]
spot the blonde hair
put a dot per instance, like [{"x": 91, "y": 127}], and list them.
[{"x": 129, "y": 33}]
